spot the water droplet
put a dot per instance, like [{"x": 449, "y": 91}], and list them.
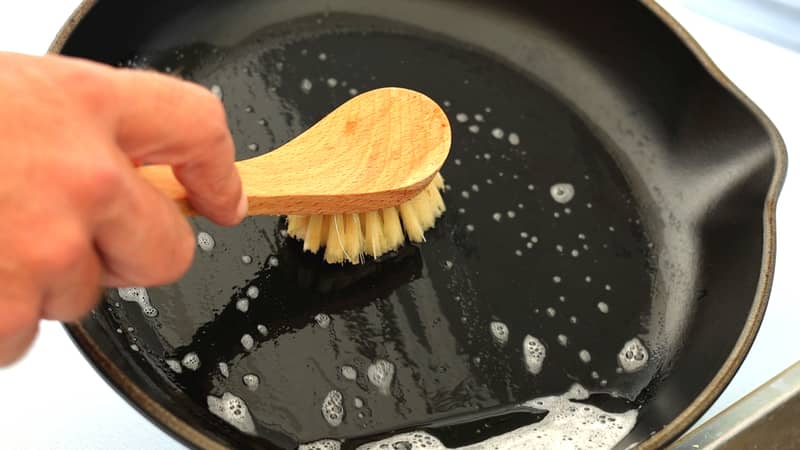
[
  {"x": 322, "y": 56},
  {"x": 306, "y": 85},
  {"x": 332, "y": 82},
  {"x": 499, "y": 332},
  {"x": 243, "y": 304},
  {"x": 247, "y": 259},
  {"x": 323, "y": 320},
  {"x": 474, "y": 129},
  {"x": 251, "y": 380},
  {"x": 216, "y": 90},
  {"x": 603, "y": 307},
  {"x": 513, "y": 138},
  {"x": 273, "y": 261},
  {"x": 498, "y": 133},
  {"x": 563, "y": 340},
  {"x": 253, "y": 147},
  {"x": 349, "y": 373},
  {"x": 461, "y": 117},
  {"x": 205, "y": 241},
  {"x": 252, "y": 292},
  {"x": 262, "y": 329},
  {"x": 562, "y": 192},
  {"x": 585, "y": 356}
]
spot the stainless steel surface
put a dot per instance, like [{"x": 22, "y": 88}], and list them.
[{"x": 767, "y": 418}]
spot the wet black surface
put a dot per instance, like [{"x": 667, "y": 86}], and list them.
[{"x": 427, "y": 308}]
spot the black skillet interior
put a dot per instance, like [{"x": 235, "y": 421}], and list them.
[{"x": 661, "y": 241}]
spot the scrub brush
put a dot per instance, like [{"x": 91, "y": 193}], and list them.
[{"x": 356, "y": 183}]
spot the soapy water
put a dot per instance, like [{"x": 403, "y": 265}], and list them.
[
  {"x": 252, "y": 292},
  {"x": 232, "y": 410},
  {"x": 205, "y": 241},
  {"x": 191, "y": 361},
  {"x": 247, "y": 342},
  {"x": 262, "y": 329},
  {"x": 223, "y": 369},
  {"x": 499, "y": 332},
  {"x": 349, "y": 373},
  {"x": 380, "y": 374},
  {"x": 633, "y": 356},
  {"x": 325, "y": 444},
  {"x": 243, "y": 304},
  {"x": 534, "y": 353},
  {"x": 323, "y": 320},
  {"x": 562, "y": 192},
  {"x": 251, "y": 380},
  {"x": 333, "y": 408},
  {"x": 568, "y": 425},
  {"x": 140, "y": 296},
  {"x": 174, "y": 365}
]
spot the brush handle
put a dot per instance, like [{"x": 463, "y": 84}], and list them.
[{"x": 378, "y": 150}]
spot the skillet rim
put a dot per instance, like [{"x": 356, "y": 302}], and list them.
[{"x": 187, "y": 434}]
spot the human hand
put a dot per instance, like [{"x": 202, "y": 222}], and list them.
[{"x": 74, "y": 214}]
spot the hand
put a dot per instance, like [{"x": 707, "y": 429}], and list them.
[{"x": 74, "y": 214}]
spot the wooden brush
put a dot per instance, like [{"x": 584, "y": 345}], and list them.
[{"x": 357, "y": 183}]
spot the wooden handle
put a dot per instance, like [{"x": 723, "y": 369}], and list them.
[{"x": 378, "y": 150}]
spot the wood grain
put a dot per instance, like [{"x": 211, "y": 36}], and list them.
[{"x": 379, "y": 149}]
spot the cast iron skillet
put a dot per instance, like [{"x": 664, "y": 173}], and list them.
[{"x": 675, "y": 173}]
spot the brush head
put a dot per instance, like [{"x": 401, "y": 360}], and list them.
[{"x": 349, "y": 238}]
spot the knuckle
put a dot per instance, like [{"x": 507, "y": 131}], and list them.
[
  {"x": 59, "y": 255},
  {"x": 98, "y": 181}
]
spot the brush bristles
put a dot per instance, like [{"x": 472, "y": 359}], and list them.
[{"x": 350, "y": 237}]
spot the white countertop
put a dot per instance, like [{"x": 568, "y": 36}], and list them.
[{"x": 53, "y": 398}]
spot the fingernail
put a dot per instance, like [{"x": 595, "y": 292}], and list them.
[{"x": 243, "y": 206}]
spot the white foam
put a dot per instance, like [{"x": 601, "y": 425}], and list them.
[
  {"x": 461, "y": 117},
  {"x": 306, "y": 85},
  {"x": 333, "y": 408},
  {"x": 562, "y": 192},
  {"x": 332, "y": 82},
  {"x": 499, "y": 332},
  {"x": 358, "y": 403},
  {"x": 569, "y": 425},
  {"x": 511, "y": 214},
  {"x": 223, "y": 369},
  {"x": 262, "y": 329},
  {"x": 380, "y": 374},
  {"x": 232, "y": 410},
  {"x": 534, "y": 353},
  {"x": 251, "y": 380},
  {"x": 585, "y": 356},
  {"x": 273, "y": 261},
  {"x": 465, "y": 194},
  {"x": 474, "y": 129},
  {"x": 531, "y": 187},
  {"x": 322, "y": 56},
  {"x": 138, "y": 295},
  {"x": 252, "y": 147},
  {"x": 252, "y": 292},
  {"x": 518, "y": 252},
  {"x": 478, "y": 117},
  {"x": 562, "y": 339},
  {"x": 205, "y": 241},
  {"x": 556, "y": 279},
  {"x": 134, "y": 347},
  {"x": 349, "y": 372},
  {"x": 247, "y": 341},
  {"x": 353, "y": 92},
  {"x": 323, "y": 320},
  {"x": 247, "y": 259},
  {"x": 174, "y": 365},
  {"x": 513, "y": 138},
  {"x": 603, "y": 307},
  {"x": 633, "y": 356},
  {"x": 498, "y": 133},
  {"x": 551, "y": 312},
  {"x": 497, "y": 217},
  {"x": 470, "y": 227},
  {"x": 575, "y": 253},
  {"x": 191, "y": 361},
  {"x": 325, "y": 444},
  {"x": 216, "y": 90},
  {"x": 243, "y": 304}
]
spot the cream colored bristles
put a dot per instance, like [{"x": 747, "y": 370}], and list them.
[{"x": 349, "y": 237}]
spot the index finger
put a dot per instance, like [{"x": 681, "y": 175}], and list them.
[{"x": 162, "y": 120}]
